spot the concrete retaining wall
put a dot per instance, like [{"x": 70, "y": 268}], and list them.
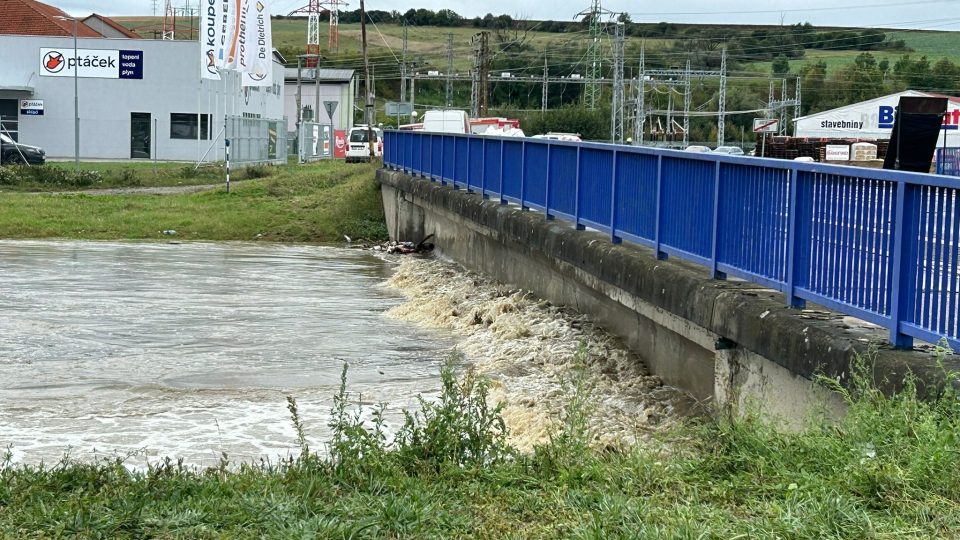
[{"x": 730, "y": 342}]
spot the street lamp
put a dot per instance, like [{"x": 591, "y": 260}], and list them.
[{"x": 76, "y": 95}]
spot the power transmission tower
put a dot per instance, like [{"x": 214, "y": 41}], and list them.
[
  {"x": 449, "y": 69},
  {"x": 169, "y": 21},
  {"x": 313, "y": 31},
  {"x": 722, "y": 100},
  {"x": 333, "y": 35},
  {"x": 188, "y": 13},
  {"x": 641, "y": 114},
  {"x": 770, "y": 99},
  {"x": 616, "y": 113},
  {"x": 591, "y": 93},
  {"x": 546, "y": 76},
  {"x": 313, "y": 10}
]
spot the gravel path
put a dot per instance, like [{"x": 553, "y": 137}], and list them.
[{"x": 161, "y": 190}]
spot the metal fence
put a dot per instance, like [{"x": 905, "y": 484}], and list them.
[
  {"x": 948, "y": 161},
  {"x": 315, "y": 141},
  {"x": 878, "y": 245},
  {"x": 256, "y": 140}
]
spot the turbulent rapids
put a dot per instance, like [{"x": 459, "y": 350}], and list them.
[{"x": 534, "y": 351}]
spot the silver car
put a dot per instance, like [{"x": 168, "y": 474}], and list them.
[{"x": 729, "y": 150}]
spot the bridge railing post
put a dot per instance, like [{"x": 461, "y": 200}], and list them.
[
  {"x": 903, "y": 288},
  {"x": 523, "y": 174},
  {"x": 613, "y": 200},
  {"x": 500, "y": 194},
  {"x": 715, "y": 224},
  {"x": 546, "y": 195},
  {"x": 658, "y": 218},
  {"x": 469, "y": 162},
  {"x": 483, "y": 169},
  {"x": 576, "y": 198},
  {"x": 797, "y": 244}
]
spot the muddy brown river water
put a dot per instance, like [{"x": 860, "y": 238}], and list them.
[
  {"x": 188, "y": 350},
  {"x": 153, "y": 350}
]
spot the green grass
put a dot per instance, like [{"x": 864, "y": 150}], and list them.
[
  {"x": 61, "y": 176},
  {"x": 888, "y": 470},
  {"x": 310, "y": 203}
]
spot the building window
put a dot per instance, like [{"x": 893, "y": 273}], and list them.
[{"x": 184, "y": 126}]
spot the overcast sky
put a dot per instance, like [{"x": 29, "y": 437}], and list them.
[{"x": 931, "y": 14}]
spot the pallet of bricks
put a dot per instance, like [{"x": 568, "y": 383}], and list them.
[{"x": 791, "y": 147}]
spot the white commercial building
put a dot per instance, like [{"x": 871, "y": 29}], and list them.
[
  {"x": 138, "y": 98},
  {"x": 873, "y": 119}
]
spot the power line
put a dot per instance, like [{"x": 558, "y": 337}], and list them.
[{"x": 795, "y": 10}]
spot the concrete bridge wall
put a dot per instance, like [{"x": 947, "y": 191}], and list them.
[{"x": 732, "y": 343}]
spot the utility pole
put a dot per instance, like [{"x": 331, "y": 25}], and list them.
[
  {"x": 783, "y": 108},
  {"x": 479, "y": 77},
  {"x": 475, "y": 79},
  {"x": 640, "y": 120},
  {"x": 687, "y": 97},
  {"x": 616, "y": 113},
  {"x": 449, "y": 69},
  {"x": 154, "y": 2},
  {"x": 546, "y": 75},
  {"x": 669, "y": 133},
  {"x": 796, "y": 106},
  {"x": 403, "y": 66},
  {"x": 722, "y": 101},
  {"x": 368, "y": 103},
  {"x": 592, "y": 90}
]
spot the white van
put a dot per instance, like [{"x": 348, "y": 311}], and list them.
[
  {"x": 446, "y": 121},
  {"x": 357, "y": 144}
]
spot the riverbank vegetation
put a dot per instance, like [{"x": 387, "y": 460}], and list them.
[
  {"x": 889, "y": 469},
  {"x": 317, "y": 202}
]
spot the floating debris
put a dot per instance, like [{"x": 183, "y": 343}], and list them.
[{"x": 397, "y": 248}]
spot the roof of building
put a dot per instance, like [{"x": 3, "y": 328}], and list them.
[
  {"x": 909, "y": 93},
  {"x": 32, "y": 18},
  {"x": 114, "y": 24},
  {"x": 325, "y": 75}
]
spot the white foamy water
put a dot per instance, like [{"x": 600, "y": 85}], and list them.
[
  {"x": 529, "y": 348},
  {"x": 187, "y": 351}
]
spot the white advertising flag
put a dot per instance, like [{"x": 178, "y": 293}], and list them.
[
  {"x": 233, "y": 36},
  {"x": 255, "y": 44},
  {"x": 216, "y": 32}
]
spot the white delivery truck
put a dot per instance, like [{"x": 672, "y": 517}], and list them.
[{"x": 446, "y": 121}]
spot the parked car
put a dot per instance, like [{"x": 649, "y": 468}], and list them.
[
  {"x": 572, "y": 137},
  {"x": 698, "y": 148},
  {"x": 730, "y": 150},
  {"x": 358, "y": 149},
  {"x": 14, "y": 152}
]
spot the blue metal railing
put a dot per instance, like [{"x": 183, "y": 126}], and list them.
[
  {"x": 878, "y": 245},
  {"x": 948, "y": 161}
]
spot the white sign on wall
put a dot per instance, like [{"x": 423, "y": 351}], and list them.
[
  {"x": 838, "y": 152},
  {"x": 91, "y": 63},
  {"x": 31, "y": 107}
]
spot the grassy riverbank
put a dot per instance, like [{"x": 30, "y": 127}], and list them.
[
  {"x": 297, "y": 203},
  {"x": 891, "y": 469}
]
